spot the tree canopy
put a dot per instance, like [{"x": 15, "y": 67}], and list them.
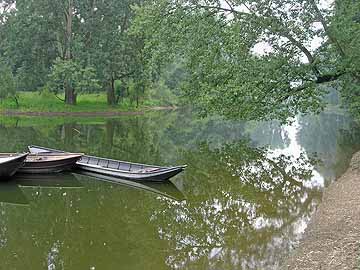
[
  {"x": 43, "y": 37},
  {"x": 260, "y": 59}
]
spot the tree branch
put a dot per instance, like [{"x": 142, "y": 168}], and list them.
[
  {"x": 326, "y": 28},
  {"x": 328, "y": 78},
  {"x": 282, "y": 31},
  {"x": 63, "y": 100}
]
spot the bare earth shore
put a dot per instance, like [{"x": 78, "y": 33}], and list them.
[
  {"x": 332, "y": 239},
  {"x": 86, "y": 114}
]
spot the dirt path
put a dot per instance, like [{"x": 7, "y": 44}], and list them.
[
  {"x": 332, "y": 239},
  {"x": 79, "y": 114},
  {"x": 85, "y": 114}
]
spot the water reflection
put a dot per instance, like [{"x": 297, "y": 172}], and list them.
[
  {"x": 243, "y": 209},
  {"x": 10, "y": 193},
  {"x": 242, "y": 203},
  {"x": 60, "y": 180},
  {"x": 165, "y": 189}
]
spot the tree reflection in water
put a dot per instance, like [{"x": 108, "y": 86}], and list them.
[{"x": 245, "y": 210}]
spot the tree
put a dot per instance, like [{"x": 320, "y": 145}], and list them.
[
  {"x": 115, "y": 53},
  {"x": 346, "y": 26},
  {"x": 7, "y": 83},
  {"x": 68, "y": 74},
  {"x": 228, "y": 73},
  {"x": 28, "y": 41}
]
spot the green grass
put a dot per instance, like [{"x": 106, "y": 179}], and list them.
[
  {"x": 28, "y": 121},
  {"x": 36, "y": 102}
]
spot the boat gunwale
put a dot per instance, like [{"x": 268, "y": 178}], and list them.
[
  {"x": 14, "y": 158},
  {"x": 62, "y": 158}
]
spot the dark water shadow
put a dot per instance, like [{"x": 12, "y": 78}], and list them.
[
  {"x": 11, "y": 193},
  {"x": 59, "y": 180}
]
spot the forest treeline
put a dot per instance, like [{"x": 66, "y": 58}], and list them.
[
  {"x": 257, "y": 60},
  {"x": 70, "y": 47}
]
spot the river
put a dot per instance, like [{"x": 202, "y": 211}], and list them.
[{"x": 244, "y": 201}]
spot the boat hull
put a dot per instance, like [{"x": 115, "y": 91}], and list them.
[
  {"x": 46, "y": 167},
  {"x": 159, "y": 176},
  {"x": 11, "y": 166}
]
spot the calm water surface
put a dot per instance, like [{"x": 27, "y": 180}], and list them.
[{"x": 243, "y": 203}]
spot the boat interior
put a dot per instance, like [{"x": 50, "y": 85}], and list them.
[{"x": 119, "y": 165}]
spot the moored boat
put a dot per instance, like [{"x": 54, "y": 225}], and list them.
[
  {"x": 10, "y": 164},
  {"x": 49, "y": 163},
  {"x": 117, "y": 168}
]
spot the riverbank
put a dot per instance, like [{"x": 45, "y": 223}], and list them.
[
  {"x": 332, "y": 239},
  {"x": 46, "y": 104}
]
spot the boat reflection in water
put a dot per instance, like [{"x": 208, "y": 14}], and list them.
[
  {"x": 73, "y": 180},
  {"x": 11, "y": 193},
  {"x": 60, "y": 180},
  {"x": 165, "y": 189}
]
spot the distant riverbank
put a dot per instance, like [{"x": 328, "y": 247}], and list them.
[
  {"x": 332, "y": 239},
  {"x": 37, "y": 104},
  {"x": 84, "y": 114}
]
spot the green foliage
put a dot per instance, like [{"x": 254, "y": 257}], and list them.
[
  {"x": 162, "y": 93},
  {"x": 92, "y": 35},
  {"x": 347, "y": 28},
  {"x": 135, "y": 90},
  {"x": 119, "y": 88},
  {"x": 71, "y": 72},
  {"x": 46, "y": 101},
  {"x": 227, "y": 73},
  {"x": 7, "y": 82}
]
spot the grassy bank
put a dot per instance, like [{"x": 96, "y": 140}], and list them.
[{"x": 36, "y": 102}]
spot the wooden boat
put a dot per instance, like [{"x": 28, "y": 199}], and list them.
[
  {"x": 117, "y": 168},
  {"x": 49, "y": 162},
  {"x": 11, "y": 163}
]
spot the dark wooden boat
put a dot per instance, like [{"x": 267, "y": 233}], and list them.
[
  {"x": 117, "y": 168},
  {"x": 49, "y": 162},
  {"x": 10, "y": 164}
]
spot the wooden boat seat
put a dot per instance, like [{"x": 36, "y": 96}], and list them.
[{"x": 48, "y": 157}]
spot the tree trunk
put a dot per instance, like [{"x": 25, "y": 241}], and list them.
[
  {"x": 70, "y": 95},
  {"x": 68, "y": 134},
  {"x": 110, "y": 132},
  {"x": 16, "y": 101},
  {"x": 111, "y": 99}
]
